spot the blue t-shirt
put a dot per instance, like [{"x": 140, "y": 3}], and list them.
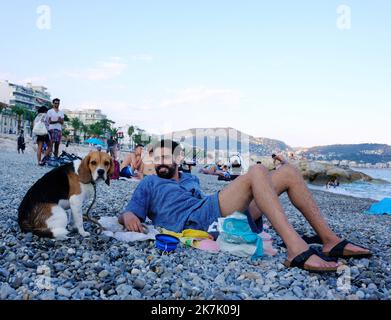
[{"x": 167, "y": 202}]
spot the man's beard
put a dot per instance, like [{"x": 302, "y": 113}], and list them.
[{"x": 168, "y": 173}]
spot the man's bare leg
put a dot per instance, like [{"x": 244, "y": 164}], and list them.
[
  {"x": 289, "y": 179},
  {"x": 257, "y": 185}
]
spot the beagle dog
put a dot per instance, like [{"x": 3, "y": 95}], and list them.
[{"x": 42, "y": 211}]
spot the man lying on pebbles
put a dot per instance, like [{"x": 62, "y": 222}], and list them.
[{"x": 173, "y": 200}]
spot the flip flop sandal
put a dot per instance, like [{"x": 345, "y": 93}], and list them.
[
  {"x": 339, "y": 251},
  {"x": 300, "y": 260},
  {"x": 315, "y": 239},
  {"x": 323, "y": 256}
]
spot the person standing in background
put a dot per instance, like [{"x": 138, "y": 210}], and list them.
[
  {"x": 42, "y": 139},
  {"x": 55, "y": 118},
  {"x": 21, "y": 142},
  {"x": 112, "y": 147}
]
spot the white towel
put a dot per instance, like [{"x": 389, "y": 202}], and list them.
[{"x": 116, "y": 230}]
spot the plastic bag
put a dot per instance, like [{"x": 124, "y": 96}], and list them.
[{"x": 237, "y": 237}]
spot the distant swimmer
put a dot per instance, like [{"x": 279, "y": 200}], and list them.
[{"x": 333, "y": 182}]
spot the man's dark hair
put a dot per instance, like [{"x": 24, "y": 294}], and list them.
[
  {"x": 56, "y": 100},
  {"x": 175, "y": 147},
  {"x": 139, "y": 145}
]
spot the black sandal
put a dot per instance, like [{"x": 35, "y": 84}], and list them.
[
  {"x": 314, "y": 239},
  {"x": 300, "y": 260},
  {"x": 339, "y": 250}
]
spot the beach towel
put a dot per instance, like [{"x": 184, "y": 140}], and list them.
[
  {"x": 117, "y": 231},
  {"x": 382, "y": 207}
]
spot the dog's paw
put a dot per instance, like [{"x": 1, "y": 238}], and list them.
[{"x": 60, "y": 234}]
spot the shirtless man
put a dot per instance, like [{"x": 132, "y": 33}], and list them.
[{"x": 132, "y": 164}]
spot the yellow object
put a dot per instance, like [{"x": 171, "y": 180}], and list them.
[{"x": 188, "y": 233}]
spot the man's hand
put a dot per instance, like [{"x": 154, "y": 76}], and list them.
[{"x": 131, "y": 222}]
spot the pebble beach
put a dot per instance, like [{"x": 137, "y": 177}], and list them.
[{"x": 102, "y": 268}]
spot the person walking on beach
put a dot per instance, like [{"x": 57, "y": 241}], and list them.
[
  {"x": 21, "y": 142},
  {"x": 174, "y": 201},
  {"x": 56, "y": 120},
  {"x": 42, "y": 136},
  {"x": 112, "y": 147}
]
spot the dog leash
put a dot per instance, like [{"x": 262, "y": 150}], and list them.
[{"x": 87, "y": 216}]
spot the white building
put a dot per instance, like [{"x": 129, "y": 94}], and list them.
[
  {"x": 87, "y": 116},
  {"x": 126, "y": 139},
  {"x": 28, "y": 96},
  {"x": 8, "y": 121}
]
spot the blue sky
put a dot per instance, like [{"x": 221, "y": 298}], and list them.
[{"x": 277, "y": 69}]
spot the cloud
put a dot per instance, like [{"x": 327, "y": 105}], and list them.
[{"x": 105, "y": 70}]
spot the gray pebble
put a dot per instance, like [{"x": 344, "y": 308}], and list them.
[
  {"x": 6, "y": 291},
  {"x": 123, "y": 290},
  {"x": 64, "y": 292}
]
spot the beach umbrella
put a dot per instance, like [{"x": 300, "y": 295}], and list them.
[{"x": 95, "y": 141}]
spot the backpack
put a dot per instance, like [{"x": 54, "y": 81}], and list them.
[{"x": 115, "y": 175}]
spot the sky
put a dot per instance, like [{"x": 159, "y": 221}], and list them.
[{"x": 305, "y": 72}]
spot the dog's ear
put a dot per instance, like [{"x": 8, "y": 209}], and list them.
[
  {"x": 84, "y": 170},
  {"x": 110, "y": 171}
]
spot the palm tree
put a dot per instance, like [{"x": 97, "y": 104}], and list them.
[
  {"x": 30, "y": 116},
  {"x": 65, "y": 133},
  {"x": 18, "y": 110},
  {"x": 96, "y": 129},
  {"x": 76, "y": 126},
  {"x": 105, "y": 124},
  {"x": 113, "y": 132},
  {"x": 3, "y": 106},
  {"x": 84, "y": 129}
]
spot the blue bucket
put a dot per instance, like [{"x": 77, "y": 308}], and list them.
[{"x": 166, "y": 243}]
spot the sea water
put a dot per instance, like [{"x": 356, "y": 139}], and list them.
[{"x": 363, "y": 189}]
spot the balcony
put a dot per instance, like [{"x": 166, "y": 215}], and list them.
[
  {"x": 42, "y": 96},
  {"x": 19, "y": 98},
  {"x": 25, "y": 91}
]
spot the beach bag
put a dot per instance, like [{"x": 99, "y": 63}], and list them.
[
  {"x": 39, "y": 129},
  {"x": 238, "y": 238},
  {"x": 115, "y": 175}
]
